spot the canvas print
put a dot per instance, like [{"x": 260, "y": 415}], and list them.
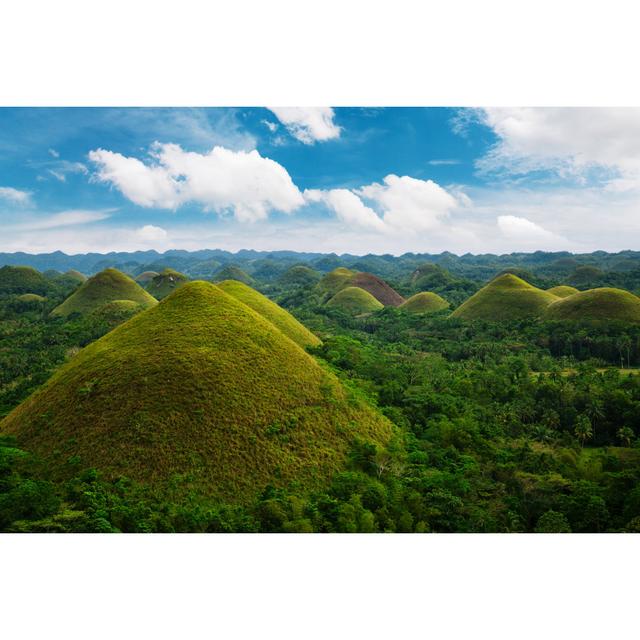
[{"x": 319, "y": 320}]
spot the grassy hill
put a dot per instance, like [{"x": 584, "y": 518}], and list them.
[
  {"x": 19, "y": 280},
  {"x": 300, "y": 276},
  {"x": 424, "y": 302},
  {"x": 197, "y": 394},
  {"x": 166, "y": 282},
  {"x": 73, "y": 274},
  {"x": 31, "y": 297},
  {"x": 104, "y": 287},
  {"x": 378, "y": 288},
  {"x": 563, "y": 291},
  {"x": 271, "y": 311},
  {"x": 354, "y": 301},
  {"x": 146, "y": 276},
  {"x": 605, "y": 304},
  {"x": 507, "y": 297},
  {"x": 231, "y": 272},
  {"x": 335, "y": 280}
]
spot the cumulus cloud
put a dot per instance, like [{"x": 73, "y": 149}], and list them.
[
  {"x": 409, "y": 203},
  {"x": 569, "y": 141},
  {"x": 348, "y": 207},
  {"x": 308, "y": 124},
  {"x": 151, "y": 233},
  {"x": 221, "y": 180},
  {"x": 15, "y": 196},
  {"x": 398, "y": 204},
  {"x": 526, "y": 234}
]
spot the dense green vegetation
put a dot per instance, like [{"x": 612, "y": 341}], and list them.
[{"x": 509, "y": 422}]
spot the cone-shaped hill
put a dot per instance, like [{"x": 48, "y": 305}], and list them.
[
  {"x": 563, "y": 291},
  {"x": 299, "y": 275},
  {"x": 17, "y": 280},
  {"x": 73, "y": 274},
  {"x": 146, "y": 276},
  {"x": 354, "y": 301},
  {"x": 271, "y": 311},
  {"x": 597, "y": 305},
  {"x": 341, "y": 278},
  {"x": 231, "y": 272},
  {"x": 104, "y": 287},
  {"x": 424, "y": 302},
  {"x": 378, "y": 288},
  {"x": 507, "y": 297},
  {"x": 199, "y": 393},
  {"x": 166, "y": 282},
  {"x": 335, "y": 280}
]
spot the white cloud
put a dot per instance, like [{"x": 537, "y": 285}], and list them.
[
  {"x": 569, "y": 141},
  {"x": 308, "y": 124},
  {"x": 150, "y": 233},
  {"x": 62, "y": 219},
  {"x": 526, "y": 235},
  {"x": 221, "y": 180},
  {"x": 408, "y": 203},
  {"x": 53, "y": 153},
  {"x": 272, "y": 126},
  {"x": 444, "y": 162},
  {"x": 347, "y": 207},
  {"x": 60, "y": 169},
  {"x": 15, "y": 196}
]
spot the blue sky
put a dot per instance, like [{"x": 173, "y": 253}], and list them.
[{"x": 359, "y": 180}]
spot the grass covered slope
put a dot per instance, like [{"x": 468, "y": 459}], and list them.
[
  {"x": 507, "y": 297},
  {"x": 424, "y": 302},
  {"x": 17, "y": 280},
  {"x": 166, "y": 282},
  {"x": 104, "y": 287},
  {"x": 335, "y": 280},
  {"x": 563, "y": 291},
  {"x": 146, "y": 276},
  {"x": 605, "y": 304},
  {"x": 378, "y": 288},
  {"x": 73, "y": 274},
  {"x": 271, "y": 311},
  {"x": 354, "y": 301},
  {"x": 199, "y": 393},
  {"x": 231, "y": 272},
  {"x": 299, "y": 275}
]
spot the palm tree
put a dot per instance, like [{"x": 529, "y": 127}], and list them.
[
  {"x": 583, "y": 429},
  {"x": 625, "y": 434}
]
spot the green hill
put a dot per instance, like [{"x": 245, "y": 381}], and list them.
[
  {"x": 507, "y": 297},
  {"x": 300, "y": 276},
  {"x": 424, "y": 302},
  {"x": 146, "y": 276},
  {"x": 563, "y": 291},
  {"x": 231, "y": 272},
  {"x": 271, "y": 311},
  {"x": 31, "y": 297},
  {"x": 378, "y": 288},
  {"x": 106, "y": 286},
  {"x": 354, "y": 301},
  {"x": 599, "y": 305},
  {"x": 166, "y": 282},
  {"x": 19, "y": 280},
  {"x": 72, "y": 274},
  {"x": 335, "y": 280},
  {"x": 197, "y": 394}
]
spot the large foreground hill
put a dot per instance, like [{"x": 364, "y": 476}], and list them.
[{"x": 198, "y": 393}]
